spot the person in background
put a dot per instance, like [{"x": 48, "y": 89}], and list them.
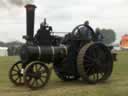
[{"x": 99, "y": 35}]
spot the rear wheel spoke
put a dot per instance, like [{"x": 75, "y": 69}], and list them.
[
  {"x": 88, "y": 70},
  {"x": 94, "y": 75},
  {"x": 36, "y": 67},
  {"x": 97, "y": 75},
  {"x": 89, "y": 58}
]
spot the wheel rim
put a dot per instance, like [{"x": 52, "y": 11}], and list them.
[
  {"x": 36, "y": 75},
  {"x": 15, "y": 74},
  {"x": 97, "y": 63},
  {"x": 94, "y": 62}
]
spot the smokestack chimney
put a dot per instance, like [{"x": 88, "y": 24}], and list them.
[{"x": 30, "y": 12}]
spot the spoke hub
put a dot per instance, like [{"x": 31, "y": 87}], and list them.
[
  {"x": 19, "y": 73},
  {"x": 36, "y": 75}
]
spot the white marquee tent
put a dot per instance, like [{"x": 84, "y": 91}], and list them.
[{"x": 3, "y": 51}]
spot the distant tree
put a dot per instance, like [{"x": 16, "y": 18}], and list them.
[
  {"x": 13, "y": 43},
  {"x": 2, "y": 44},
  {"x": 109, "y": 36},
  {"x": 13, "y": 47}
]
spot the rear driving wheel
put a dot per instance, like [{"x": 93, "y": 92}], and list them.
[{"x": 94, "y": 62}]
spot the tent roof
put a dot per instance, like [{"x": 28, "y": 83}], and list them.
[{"x": 125, "y": 37}]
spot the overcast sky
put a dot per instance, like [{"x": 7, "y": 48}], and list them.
[{"x": 64, "y": 15}]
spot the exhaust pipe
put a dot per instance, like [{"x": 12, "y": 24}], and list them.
[{"x": 30, "y": 15}]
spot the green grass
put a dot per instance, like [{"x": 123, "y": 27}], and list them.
[{"x": 117, "y": 85}]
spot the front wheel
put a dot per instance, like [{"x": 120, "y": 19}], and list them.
[
  {"x": 36, "y": 75},
  {"x": 15, "y": 74}
]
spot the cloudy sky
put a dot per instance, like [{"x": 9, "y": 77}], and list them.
[{"x": 63, "y": 15}]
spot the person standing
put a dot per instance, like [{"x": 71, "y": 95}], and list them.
[{"x": 99, "y": 35}]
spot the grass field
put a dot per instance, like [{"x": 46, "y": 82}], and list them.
[{"x": 117, "y": 85}]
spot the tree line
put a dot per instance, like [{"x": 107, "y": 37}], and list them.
[{"x": 13, "y": 47}]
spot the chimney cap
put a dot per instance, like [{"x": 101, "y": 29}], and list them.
[{"x": 30, "y": 5}]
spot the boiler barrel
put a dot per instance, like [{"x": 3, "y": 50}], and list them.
[{"x": 44, "y": 53}]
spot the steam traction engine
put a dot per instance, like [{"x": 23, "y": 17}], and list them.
[{"x": 76, "y": 55}]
